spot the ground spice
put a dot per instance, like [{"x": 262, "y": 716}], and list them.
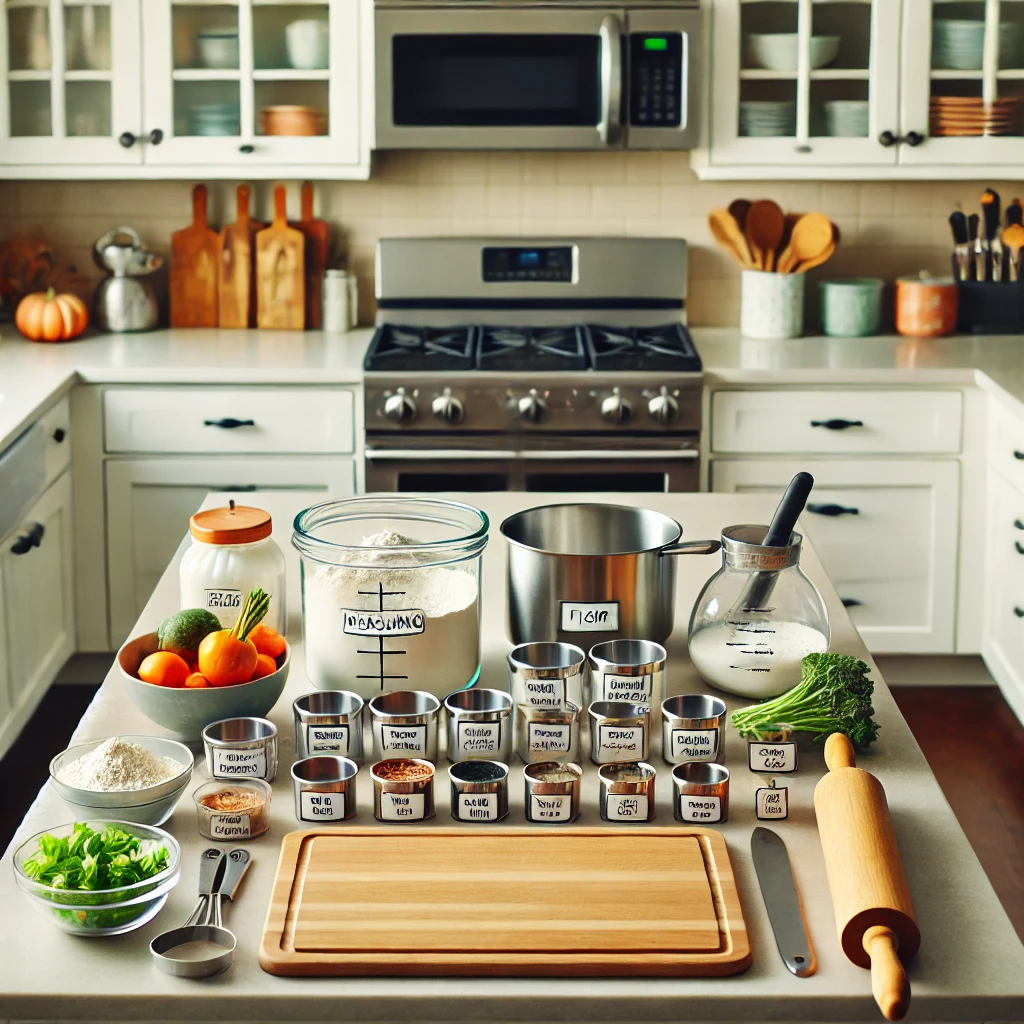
[
  {"x": 402, "y": 770},
  {"x": 234, "y": 812},
  {"x": 556, "y": 774},
  {"x": 627, "y": 773},
  {"x": 478, "y": 771},
  {"x": 233, "y": 800}
]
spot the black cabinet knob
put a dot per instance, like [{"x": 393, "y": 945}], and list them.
[
  {"x": 229, "y": 423},
  {"x": 156, "y": 136},
  {"x": 247, "y": 148},
  {"x": 27, "y": 541},
  {"x": 127, "y": 139},
  {"x": 888, "y": 139},
  {"x": 832, "y": 510},
  {"x": 1020, "y": 547},
  {"x": 60, "y": 433},
  {"x": 913, "y": 138},
  {"x": 1019, "y": 612},
  {"x": 851, "y": 602},
  {"x": 839, "y": 424},
  {"x": 1018, "y": 455}
]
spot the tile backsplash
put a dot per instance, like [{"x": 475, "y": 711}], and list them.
[{"x": 887, "y": 228}]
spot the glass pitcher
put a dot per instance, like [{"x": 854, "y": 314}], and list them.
[{"x": 757, "y": 617}]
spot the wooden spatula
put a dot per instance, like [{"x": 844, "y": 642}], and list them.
[
  {"x": 280, "y": 269},
  {"x": 812, "y": 235},
  {"x": 236, "y": 293},
  {"x": 193, "y": 284},
  {"x": 727, "y": 233},
  {"x": 317, "y": 252},
  {"x": 816, "y": 261},
  {"x": 765, "y": 226}
]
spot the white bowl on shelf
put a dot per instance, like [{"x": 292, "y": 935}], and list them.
[
  {"x": 778, "y": 51},
  {"x": 847, "y": 118},
  {"x": 307, "y": 43},
  {"x": 217, "y": 50}
]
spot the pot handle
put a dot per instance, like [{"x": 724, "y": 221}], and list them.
[{"x": 693, "y": 547}]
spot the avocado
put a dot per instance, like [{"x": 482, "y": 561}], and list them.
[{"x": 183, "y": 631}]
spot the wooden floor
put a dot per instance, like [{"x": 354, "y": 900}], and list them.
[{"x": 980, "y": 769}]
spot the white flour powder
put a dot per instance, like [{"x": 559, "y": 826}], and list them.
[
  {"x": 115, "y": 766},
  {"x": 378, "y": 626}
]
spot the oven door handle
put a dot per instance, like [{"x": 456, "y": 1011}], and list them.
[
  {"x": 611, "y": 80},
  {"x": 436, "y": 455},
  {"x": 466, "y": 454},
  {"x": 597, "y": 456}
]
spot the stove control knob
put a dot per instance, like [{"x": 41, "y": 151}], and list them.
[
  {"x": 532, "y": 407},
  {"x": 615, "y": 408},
  {"x": 399, "y": 407},
  {"x": 448, "y": 409},
  {"x": 663, "y": 407}
]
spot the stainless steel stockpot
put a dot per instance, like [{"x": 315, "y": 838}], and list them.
[{"x": 593, "y": 569}]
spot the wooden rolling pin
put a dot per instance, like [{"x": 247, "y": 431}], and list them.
[{"x": 870, "y": 896}]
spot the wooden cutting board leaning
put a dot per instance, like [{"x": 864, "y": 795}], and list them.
[
  {"x": 194, "y": 259},
  {"x": 236, "y": 292},
  {"x": 280, "y": 272},
  {"x": 317, "y": 251}
]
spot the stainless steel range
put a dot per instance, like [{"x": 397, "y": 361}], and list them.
[{"x": 549, "y": 365}]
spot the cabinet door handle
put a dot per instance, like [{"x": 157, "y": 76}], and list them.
[
  {"x": 836, "y": 510},
  {"x": 156, "y": 136},
  {"x": 888, "y": 138},
  {"x": 229, "y": 423},
  {"x": 913, "y": 138},
  {"x": 247, "y": 148},
  {"x": 1019, "y": 612},
  {"x": 1018, "y": 455},
  {"x": 1017, "y": 523},
  {"x": 60, "y": 433},
  {"x": 27, "y": 541},
  {"x": 851, "y": 602},
  {"x": 1020, "y": 547},
  {"x": 237, "y": 487},
  {"x": 126, "y": 139},
  {"x": 843, "y": 425}
]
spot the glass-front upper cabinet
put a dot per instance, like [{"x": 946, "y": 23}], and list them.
[
  {"x": 963, "y": 95},
  {"x": 252, "y": 82},
  {"x": 805, "y": 83},
  {"x": 69, "y": 82}
]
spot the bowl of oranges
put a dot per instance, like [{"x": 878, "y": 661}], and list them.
[{"x": 191, "y": 671}]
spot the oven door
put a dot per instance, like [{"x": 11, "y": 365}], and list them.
[
  {"x": 499, "y": 78},
  {"x": 570, "y": 470}
]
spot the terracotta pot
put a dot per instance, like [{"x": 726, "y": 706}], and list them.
[
  {"x": 926, "y": 307},
  {"x": 293, "y": 120}
]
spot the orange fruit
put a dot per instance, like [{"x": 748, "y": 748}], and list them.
[
  {"x": 265, "y": 666},
  {"x": 164, "y": 668},
  {"x": 196, "y": 681},
  {"x": 268, "y": 641}
]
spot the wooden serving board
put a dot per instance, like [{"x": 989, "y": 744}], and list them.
[
  {"x": 317, "y": 239},
  {"x": 237, "y": 284},
  {"x": 508, "y": 901},
  {"x": 195, "y": 251},
  {"x": 280, "y": 272}
]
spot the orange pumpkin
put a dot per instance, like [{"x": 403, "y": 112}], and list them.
[{"x": 47, "y": 316}]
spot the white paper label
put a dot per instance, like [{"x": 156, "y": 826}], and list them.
[
  {"x": 693, "y": 744},
  {"x": 620, "y": 743},
  {"x": 590, "y": 617},
  {"x": 548, "y": 739},
  {"x": 626, "y": 807},
  {"x": 401, "y": 806},
  {"x": 397, "y": 622},
  {"x": 543, "y": 693},
  {"x": 230, "y": 826},
  {"x": 772, "y": 803},
  {"x": 403, "y": 739},
  {"x": 322, "y": 806},
  {"x": 635, "y": 689},
  {"x": 702, "y": 810},
  {"x": 477, "y": 807},
  {"x": 327, "y": 739},
  {"x": 234, "y": 764},
  {"x": 557, "y": 807},
  {"x": 771, "y": 757},
  {"x": 478, "y": 737},
  {"x": 218, "y": 601}
]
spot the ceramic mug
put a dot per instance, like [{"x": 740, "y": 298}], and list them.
[
  {"x": 851, "y": 308},
  {"x": 926, "y": 307},
  {"x": 772, "y": 305}
]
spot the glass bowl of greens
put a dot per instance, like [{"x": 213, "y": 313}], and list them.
[{"x": 98, "y": 877}]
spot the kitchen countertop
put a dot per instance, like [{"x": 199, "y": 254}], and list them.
[{"x": 970, "y": 966}]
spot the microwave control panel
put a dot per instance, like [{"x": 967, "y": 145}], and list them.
[{"x": 655, "y": 79}]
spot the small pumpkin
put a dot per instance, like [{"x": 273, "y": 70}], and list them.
[{"x": 47, "y": 316}]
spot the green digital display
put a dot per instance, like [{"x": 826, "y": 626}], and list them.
[{"x": 653, "y": 43}]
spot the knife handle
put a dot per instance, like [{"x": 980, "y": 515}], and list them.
[{"x": 889, "y": 983}]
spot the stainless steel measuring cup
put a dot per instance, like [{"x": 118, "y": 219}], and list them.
[{"x": 202, "y": 946}]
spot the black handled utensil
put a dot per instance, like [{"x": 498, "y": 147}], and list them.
[
  {"x": 961, "y": 244},
  {"x": 991, "y": 211}
]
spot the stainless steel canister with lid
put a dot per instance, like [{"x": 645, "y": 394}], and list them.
[
  {"x": 547, "y": 734},
  {"x": 480, "y": 725},
  {"x": 547, "y": 674},
  {"x": 692, "y": 728},
  {"x": 403, "y": 789},
  {"x": 241, "y": 748},
  {"x": 329, "y": 722},
  {"x": 627, "y": 792},
  {"x": 619, "y": 731},
  {"x": 479, "y": 790},
  {"x": 701, "y": 793},
  {"x": 325, "y": 788},
  {"x": 405, "y": 724},
  {"x": 552, "y": 792},
  {"x": 632, "y": 670}
]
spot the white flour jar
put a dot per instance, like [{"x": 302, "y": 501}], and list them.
[
  {"x": 232, "y": 553},
  {"x": 391, "y": 594}
]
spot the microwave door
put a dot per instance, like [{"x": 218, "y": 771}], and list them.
[{"x": 495, "y": 78}]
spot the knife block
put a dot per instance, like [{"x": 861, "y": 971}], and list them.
[{"x": 990, "y": 307}]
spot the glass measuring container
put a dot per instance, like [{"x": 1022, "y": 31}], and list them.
[
  {"x": 391, "y": 593},
  {"x": 757, "y": 617}
]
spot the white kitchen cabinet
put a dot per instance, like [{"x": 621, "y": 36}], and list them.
[
  {"x": 886, "y": 531},
  {"x": 149, "y": 502}
]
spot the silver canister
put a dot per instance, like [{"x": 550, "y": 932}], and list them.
[
  {"x": 702, "y": 793},
  {"x": 547, "y": 734},
  {"x": 329, "y": 722},
  {"x": 480, "y": 725},
  {"x": 552, "y": 792},
  {"x": 479, "y": 790},
  {"x": 619, "y": 731},
  {"x": 241, "y": 748},
  {"x": 325, "y": 788},
  {"x": 627, "y": 791},
  {"x": 404, "y": 724},
  {"x": 546, "y": 675},
  {"x": 403, "y": 789},
  {"x": 692, "y": 728},
  {"x": 632, "y": 670}
]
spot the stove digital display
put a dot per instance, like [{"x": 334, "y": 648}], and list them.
[{"x": 514, "y": 263}]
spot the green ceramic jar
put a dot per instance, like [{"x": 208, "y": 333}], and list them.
[{"x": 851, "y": 307}]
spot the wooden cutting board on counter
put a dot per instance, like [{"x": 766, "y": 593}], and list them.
[
  {"x": 508, "y": 901},
  {"x": 194, "y": 258},
  {"x": 317, "y": 250},
  {"x": 280, "y": 270},
  {"x": 236, "y": 291}
]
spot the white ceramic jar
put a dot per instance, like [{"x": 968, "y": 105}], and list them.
[{"x": 232, "y": 553}]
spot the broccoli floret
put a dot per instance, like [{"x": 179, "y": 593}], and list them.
[{"x": 833, "y": 695}]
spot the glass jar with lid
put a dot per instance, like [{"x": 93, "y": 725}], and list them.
[{"x": 232, "y": 553}]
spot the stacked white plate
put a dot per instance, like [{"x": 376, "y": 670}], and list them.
[
  {"x": 767, "y": 118},
  {"x": 958, "y": 44},
  {"x": 846, "y": 119}
]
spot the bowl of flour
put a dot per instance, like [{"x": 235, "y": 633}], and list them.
[{"x": 391, "y": 593}]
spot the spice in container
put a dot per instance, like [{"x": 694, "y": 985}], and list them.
[
  {"x": 479, "y": 724},
  {"x": 619, "y": 731},
  {"x": 479, "y": 790},
  {"x": 329, "y": 722},
  {"x": 627, "y": 792},
  {"x": 403, "y": 789},
  {"x": 552, "y": 792},
  {"x": 233, "y": 553},
  {"x": 404, "y": 724},
  {"x": 234, "y": 810}
]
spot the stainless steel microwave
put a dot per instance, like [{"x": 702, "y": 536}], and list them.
[{"x": 557, "y": 75}]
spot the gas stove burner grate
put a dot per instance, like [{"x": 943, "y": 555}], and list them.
[
  {"x": 532, "y": 348},
  {"x": 665, "y": 348},
  {"x": 401, "y": 347}
]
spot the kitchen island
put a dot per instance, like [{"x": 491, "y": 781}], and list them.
[{"x": 970, "y": 966}]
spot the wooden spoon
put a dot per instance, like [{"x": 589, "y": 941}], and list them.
[
  {"x": 728, "y": 235},
  {"x": 812, "y": 234},
  {"x": 739, "y": 208},
  {"x": 816, "y": 261},
  {"x": 765, "y": 224}
]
